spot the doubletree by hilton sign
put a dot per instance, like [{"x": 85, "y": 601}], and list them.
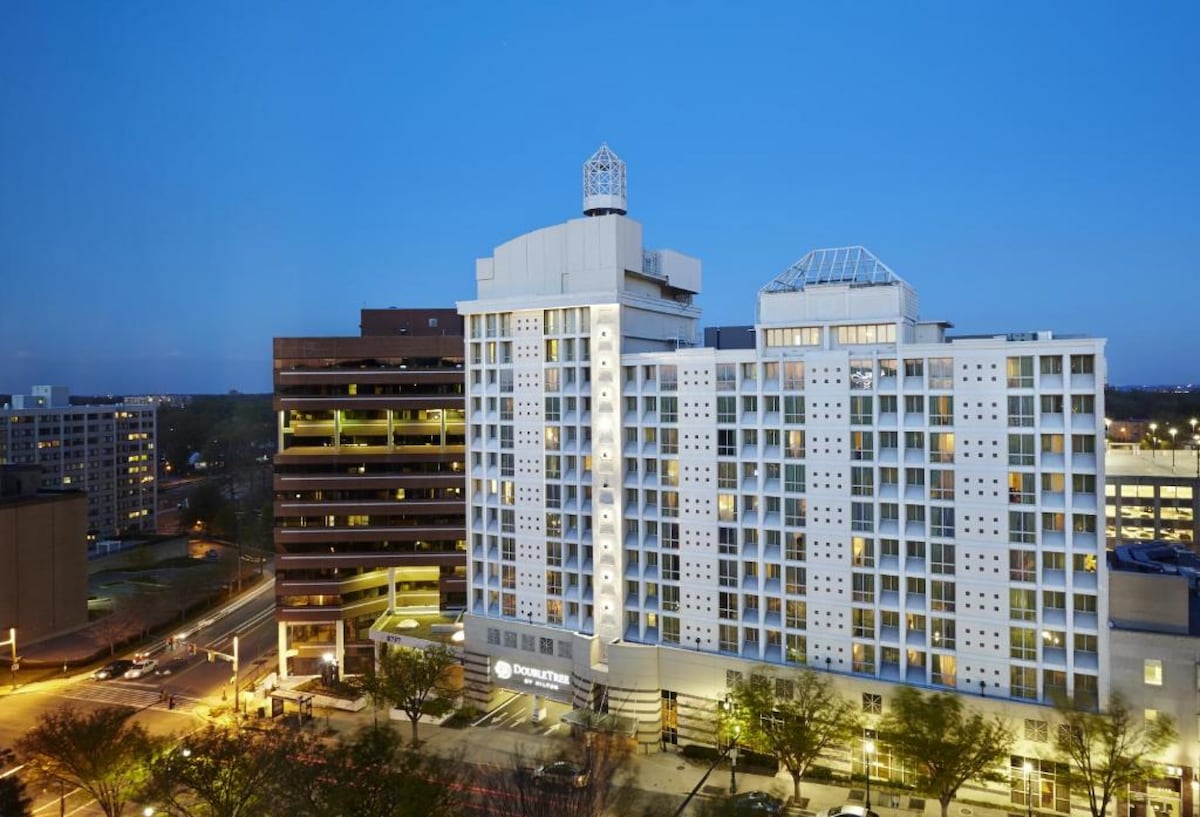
[{"x": 515, "y": 673}]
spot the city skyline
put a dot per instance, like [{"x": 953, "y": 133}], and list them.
[{"x": 183, "y": 186}]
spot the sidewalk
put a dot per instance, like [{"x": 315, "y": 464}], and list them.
[{"x": 671, "y": 775}]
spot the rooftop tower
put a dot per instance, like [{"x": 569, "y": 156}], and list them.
[{"x": 604, "y": 191}]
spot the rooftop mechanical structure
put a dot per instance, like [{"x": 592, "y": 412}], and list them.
[{"x": 604, "y": 184}]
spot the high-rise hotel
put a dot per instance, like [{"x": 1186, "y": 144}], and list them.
[{"x": 842, "y": 486}]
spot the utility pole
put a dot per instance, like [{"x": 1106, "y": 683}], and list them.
[{"x": 232, "y": 659}]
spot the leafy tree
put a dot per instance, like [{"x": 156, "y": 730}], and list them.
[
  {"x": 221, "y": 773},
  {"x": 14, "y": 802},
  {"x": 1109, "y": 752},
  {"x": 117, "y": 625},
  {"x": 944, "y": 742},
  {"x": 100, "y": 752},
  {"x": 371, "y": 774},
  {"x": 416, "y": 681},
  {"x": 796, "y": 729}
]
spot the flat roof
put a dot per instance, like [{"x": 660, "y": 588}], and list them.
[{"x": 1123, "y": 462}]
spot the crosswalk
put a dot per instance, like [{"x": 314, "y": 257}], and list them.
[{"x": 137, "y": 696}]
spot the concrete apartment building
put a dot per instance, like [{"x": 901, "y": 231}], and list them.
[
  {"x": 43, "y": 563},
  {"x": 106, "y": 451},
  {"x": 368, "y": 480},
  {"x": 854, "y": 490}
]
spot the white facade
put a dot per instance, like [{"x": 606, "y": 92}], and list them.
[{"x": 857, "y": 494}]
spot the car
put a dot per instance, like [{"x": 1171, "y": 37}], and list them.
[
  {"x": 113, "y": 669},
  {"x": 562, "y": 774},
  {"x": 848, "y": 810},
  {"x": 144, "y": 667},
  {"x": 756, "y": 802},
  {"x": 171, "y": 667}
]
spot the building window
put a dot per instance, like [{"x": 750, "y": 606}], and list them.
[
  {"x": 1020, "y": 372},
  {"x": 872, "y": 704},
  {"x": 1153, "y": 672}
]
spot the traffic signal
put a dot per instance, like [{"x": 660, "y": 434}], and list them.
[
  {"x": 211, "y": 656},
  {"x": 171, "y": 644},
  {"x": 191, "y": 649}
]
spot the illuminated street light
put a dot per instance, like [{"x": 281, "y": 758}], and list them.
[
  {"x": 1173, "y": 432},
  {"x": 1196, "y": 446},
  {"x": 1153, "y": 439}
]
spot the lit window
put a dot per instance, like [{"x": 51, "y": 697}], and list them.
[{"x": 1153, "y": 672}]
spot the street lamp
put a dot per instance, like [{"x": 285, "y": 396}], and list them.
[
  {"x": 1153, "y": 439},
  {"x": 1196, "y": 446},
  {"x": 733, "y": 755},
  {"x": 729, "y": 708},
  {"x": 1173, "y": 432},
  {"x": 868, "y": 752},
  {"x": 1193, "y": 421},
  {"x": 1028, "y": 788}
]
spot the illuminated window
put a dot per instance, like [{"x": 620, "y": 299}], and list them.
[{"x": 1153, "y": 672}]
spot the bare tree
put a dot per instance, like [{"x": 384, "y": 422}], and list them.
[
  {"x": 100, "y": 752},
  {"x": 515, "y": 791},
  {"x": 116, "y": 626},
  {"x": 1108, "y": 752},
  {"x": 943, "y": 741}
]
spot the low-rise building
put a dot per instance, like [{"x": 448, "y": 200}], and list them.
[{"x": 43, "y": 557}]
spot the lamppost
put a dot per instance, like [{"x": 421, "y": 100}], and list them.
[
  {"x": 729, "y": 707},
  {"x": 1196, "y": 446},
  {"x": 1107, "y": 427},
  {"x": 1028, "y": 789},
  {"x": 868, "y": 752},
  {"x": 1153, "y": 439},
  {"x": 1193, "y": 421},
  {"x": 1173, "y": 431},
  {"x": 733, "y": 755}
]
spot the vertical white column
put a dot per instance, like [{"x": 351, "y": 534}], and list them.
[{"x": 283, "y": 649}]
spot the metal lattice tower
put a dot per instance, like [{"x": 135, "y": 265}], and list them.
[{"x": 604, "y": 190}]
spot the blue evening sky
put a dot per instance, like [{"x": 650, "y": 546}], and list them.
[{"x": 181, "y": 182}]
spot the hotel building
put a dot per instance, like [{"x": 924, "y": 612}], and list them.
[
  {"x": 368, "y": 483},
  {"x": 846, "y": 487},
  {"x": 106, "y": 451}
]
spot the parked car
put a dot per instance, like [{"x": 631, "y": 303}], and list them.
[
  {"x": 756, "y": 802},
  {"x": 141, "y": 668},
  {"x": 113, "y": 669},
  {"x": 848, "y": 810},
  {"x": 562, "y": 774}
]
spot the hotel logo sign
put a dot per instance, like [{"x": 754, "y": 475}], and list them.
[{"x": 530, "y": 676}]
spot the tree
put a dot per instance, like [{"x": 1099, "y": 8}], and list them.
[
  {"x": 797, "y": 727},
  {"x": 371, "y": 774},
  {"x": 116, "y": 626},
  {"x": 513, "y": 791},
  {"x": 416, "y": 681},
  {"x": 1108, "y": 752},
  {"x": 221, "y": 773},
  {"x": 14, "y": 802},
  {"x": 944, "y": 742},
  {"x": 100, "y": 752}
]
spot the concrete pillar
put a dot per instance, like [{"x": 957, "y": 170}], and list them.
[
  {"x": 339, "y": 645},
  {"x": 283, "y": 650},
  {"x": 392, "y": 590},
  {"x": 539, "y": 709}
]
